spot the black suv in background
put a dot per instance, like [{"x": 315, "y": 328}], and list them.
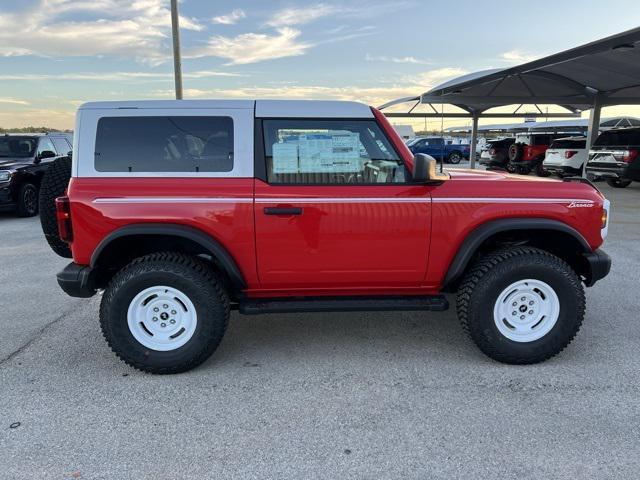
[
  {"x": 498, "y": 153},
  {"x": 615, "y": 157},
  {"x": 23, "y": 160}
]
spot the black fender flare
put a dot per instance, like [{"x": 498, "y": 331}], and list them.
[
  {"x": 219, "y": 252},
  {"x": 476, "y": 237}
]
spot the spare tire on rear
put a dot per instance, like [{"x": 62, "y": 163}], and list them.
[
  {"x": 515, "y": 152},
  {"x": 54, "y": 183}
]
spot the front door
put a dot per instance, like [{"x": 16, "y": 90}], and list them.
[{"x": 337, "y": 210}]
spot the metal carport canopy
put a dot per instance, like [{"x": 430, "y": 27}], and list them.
[{"x": 601, "y": 73}]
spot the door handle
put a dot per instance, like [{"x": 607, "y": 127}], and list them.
[{"x": 283, "y": 211}]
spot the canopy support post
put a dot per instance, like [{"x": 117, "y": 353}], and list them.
[
  {"x": 594, "y": 126},
  {"x": 474, "y": 140}
]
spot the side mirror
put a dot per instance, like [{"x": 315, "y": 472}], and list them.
[
  {"x": 424, "y": 169},
  {"x": 46, "y": 154}
]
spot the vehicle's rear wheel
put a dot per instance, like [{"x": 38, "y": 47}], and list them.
[
  {"x": 455, "y": 158},
  {"x": 521, "y": 305},
  {"x": 165, "y": 313},
  {"x": 27, "y": 200},
  {"x": 618, "y": 182},
  {"x": 54, "y": 183}
]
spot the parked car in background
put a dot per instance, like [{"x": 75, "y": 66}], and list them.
[
  {"x": 498, "y": 153},
  {"x": 481, "y": 145},
  {"x": 413, "y": 140},
  {"x": 615, "y": 157},
  {"x": 24, "y": 158},
  {"x": 566, "y": 156},
  {"x": 483, "y": 153},
  {"x": 441, "y": 148},
  {"x": 527, "y": 152}
]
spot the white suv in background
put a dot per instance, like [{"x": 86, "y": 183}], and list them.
[{"x": 566, "y": 156}]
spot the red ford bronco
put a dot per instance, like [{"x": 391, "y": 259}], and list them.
[{"x": 179, "y": 211}]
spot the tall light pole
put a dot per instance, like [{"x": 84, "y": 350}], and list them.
[{"x": 177, "y": 64}]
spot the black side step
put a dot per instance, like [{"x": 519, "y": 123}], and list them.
[{"x": 436, "y": 303}]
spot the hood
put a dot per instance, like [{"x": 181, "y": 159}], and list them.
[{"x": 14, "y": 162}]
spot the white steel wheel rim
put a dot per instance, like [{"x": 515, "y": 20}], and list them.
[
  {"x": 162, "y": 318},
  {"x": 526, "y": 310}
]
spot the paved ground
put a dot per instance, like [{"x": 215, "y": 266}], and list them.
[{"x": 375, "y": 395}]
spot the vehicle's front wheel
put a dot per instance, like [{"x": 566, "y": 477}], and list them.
[
  {"x": 521, "y": 305},
  {"x": 618, "y": 182},
  {"x": 27, "y": 200},
  {"x": 455, "y": 158},
  {"x": 165, "y": 313}
]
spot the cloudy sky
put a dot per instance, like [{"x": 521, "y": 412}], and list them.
[{"x": 56, "y": 54}]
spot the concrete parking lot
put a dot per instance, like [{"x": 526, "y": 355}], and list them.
[{"x": 369, "y": 395}]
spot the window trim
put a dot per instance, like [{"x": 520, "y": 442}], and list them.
[{"x": 260, "y": 157}]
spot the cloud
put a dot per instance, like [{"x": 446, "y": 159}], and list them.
[
  {"x": 253, "y": 47},
  {"x": 518, "y": 56},
  {"x": 433, "y": 78},
  {"x": 231, "y": 18},
  {"x": 409, "y": 86},
  {"x": 368, "y": 95},
  {"x": 409, "y": 59},
  {"x": 301, "y": 15},
  {"x": 137, "y": 29},
  {"x": 292, "y": 16},
  {"x": 113, "y": 76},
  {"x": 13, "y": 101}
]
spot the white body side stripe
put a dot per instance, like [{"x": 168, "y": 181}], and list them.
[
  {"x": 345, "y": 200},
  {"x": 173, "y": 200},
  {"x": 508, "y": 200},
  {"x": 336, "y": 200}
]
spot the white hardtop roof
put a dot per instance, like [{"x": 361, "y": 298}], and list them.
[{"x": 263, "y": 108}]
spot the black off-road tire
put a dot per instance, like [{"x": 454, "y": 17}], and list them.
[
  {"x": 493, "y": 273},
  {"x": 454, "y": 158},
  {"x": 27, "y": 200},
  {"x": 618, "y": 182},
  {"x": 192, "y": 276},
  {"x": 515, "y": 152},
  {"x": 53, "y": 185}
]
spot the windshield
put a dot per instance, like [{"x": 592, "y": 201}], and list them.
[{"x": 11, "y": 146}]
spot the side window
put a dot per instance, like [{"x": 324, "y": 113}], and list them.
[
  {"x": 325, "y": 152},
  {"x": 164, "y": 144},
  {"x": 61, "y": 145},
  {"x": 44, "y": 145}
]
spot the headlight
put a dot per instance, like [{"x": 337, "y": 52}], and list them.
[{"x": 5, "y": 175}]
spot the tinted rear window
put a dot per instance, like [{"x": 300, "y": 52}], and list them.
[
  {"x": 164, "y": 144},
  {"x": 619, "y": 138},
  {"x": 569, "y": 144}
]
